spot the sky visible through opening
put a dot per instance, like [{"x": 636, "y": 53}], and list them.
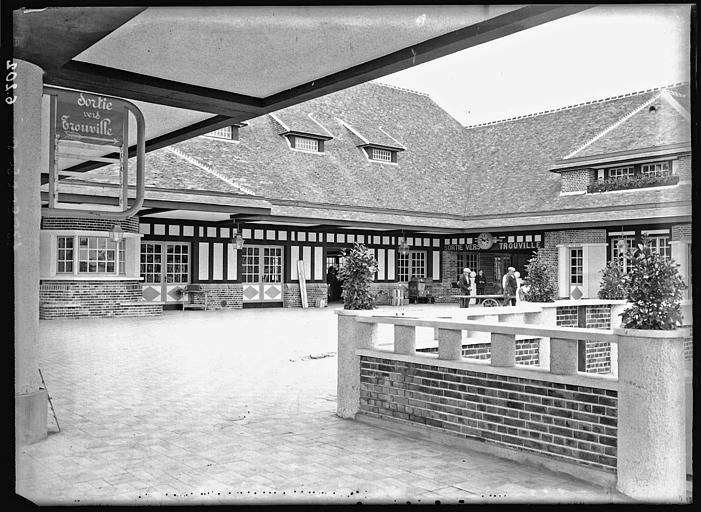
[{"x": 601, "y": 52}]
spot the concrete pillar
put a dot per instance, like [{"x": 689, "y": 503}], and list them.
[
  {"x": 680, "y": 254},
  {"x": 651, "y": 414},
  {"x": 405, "y": 339},
  {"x": 352, "y": 335},
  {"x": 449, "y": 344},
  {"x": 30, "y": 401},
  {"x": 563, "y": 356},
  {"x": 503, "y": 349}
]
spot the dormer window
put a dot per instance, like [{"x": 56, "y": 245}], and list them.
[
  {"x": 306, "y": 144},
  {"x": 226, "y": 133},
  {"x": 381, "y": 154},
  {"x": 657, "y": 170}
]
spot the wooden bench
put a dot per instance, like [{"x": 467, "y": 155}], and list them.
[{"x": 193, "y": 290}]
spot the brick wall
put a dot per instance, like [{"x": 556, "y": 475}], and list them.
[
  {"x": 684, "y": 168},
  {"x": 597, "y": 354},
  {"x": 293, "y": 299},
  {"x": 220, "y": 296},
  {"x": 87, "y": 299},
  {"x": 527, "y": 351},
  {"x": 55, "y": 223},
  {"x": 576, "y": 181},
  {"x": 562, "y": 421},
  {"x": 681, "y": 232}
]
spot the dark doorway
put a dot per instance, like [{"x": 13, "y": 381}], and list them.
[{"x": 334, "y": 262}]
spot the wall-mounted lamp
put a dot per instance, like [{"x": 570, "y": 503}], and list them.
[{"x": 117, "y": 233}]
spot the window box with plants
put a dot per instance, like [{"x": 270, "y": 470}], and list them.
[{"x": 638, "y": 181}]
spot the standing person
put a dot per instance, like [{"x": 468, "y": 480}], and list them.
[
  {"x": 464, "y": 284},
  {"x": 480, "y": 282},
  {"x": 519, "y": 282},
  {"x": 331, "y": 280},
  {"x": 473, "y": 286},
  {"x": 510, "y": 286}
]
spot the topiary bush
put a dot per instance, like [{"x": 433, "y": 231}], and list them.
[
  {"x": 356, "y": 274},
  {"x": 612, "y": 284},
  {"x": 540, "y": 280},
  {"x": 654, "y": 286}
]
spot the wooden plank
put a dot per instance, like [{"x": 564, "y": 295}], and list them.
[{"x": 302, "y": 283}]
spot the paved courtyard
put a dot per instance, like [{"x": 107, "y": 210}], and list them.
[{"x": 221, "y": 407}]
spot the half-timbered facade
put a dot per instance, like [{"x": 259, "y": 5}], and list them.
[{"x": 376, "y": 164}]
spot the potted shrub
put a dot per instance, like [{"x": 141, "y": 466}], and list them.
[
  {"x": 654, "y": 287},
  {"x": 357, "y": 274},
  {"x": 612, "y": 284},
  {"x": 539, "y": 281}
]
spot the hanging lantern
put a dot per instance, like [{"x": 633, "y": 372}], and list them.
[
  {"x": 403, "y": 246},
  {"x": 117, "y": 234},
  {"x": 237, "y": 239}
]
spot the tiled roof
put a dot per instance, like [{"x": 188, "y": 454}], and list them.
[
  {"x": 509, "y": 161},
  {"x": 296, "y": 120},
  {"x": 488, "y": 170}
]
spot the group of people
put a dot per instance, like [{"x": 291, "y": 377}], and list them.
[{"x": 512, "y": 286}]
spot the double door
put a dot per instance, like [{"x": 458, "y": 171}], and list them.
[
  {"x": 261, "y": 273},
  {"x": 165, "y": 271}
]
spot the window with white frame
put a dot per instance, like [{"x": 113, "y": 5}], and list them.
[
  {"x": 411, "y": 265},
  {"x": 306, "y": 144},
  {"x": 99, "y": 255},
  {"x": 64, "y": 255},
  {"x": 619, "y": 246},
  {"x": 77, "y": 254},
  {"x": 576, "y": 266},
  {"x": 658, "y": 169},
  {"x": 151, "y": 260},
  {"x": 383, "y": 155},
  {"x": 660, "y": 244},
  {"x": 621, "y": 173},
  {"x": 228, "y": 133}
]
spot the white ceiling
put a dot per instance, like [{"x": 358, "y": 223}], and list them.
[{"x": 300, "y": 43}]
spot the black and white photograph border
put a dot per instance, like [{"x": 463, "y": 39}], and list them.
[{"x": 350, "y": 254}]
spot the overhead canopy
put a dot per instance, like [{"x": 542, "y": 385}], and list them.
[{"x": 224, "y": 65}]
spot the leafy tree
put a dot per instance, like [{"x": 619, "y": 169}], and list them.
[
  {"x": 612, "y": 282},
  {"x": 357, "y": 274},
  {"x": 654, "y": 286},
  {"x": 539, "y": 282}
]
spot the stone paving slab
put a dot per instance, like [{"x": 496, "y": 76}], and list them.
[{"x": 227, "y": 407}]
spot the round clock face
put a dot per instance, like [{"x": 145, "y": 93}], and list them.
[{"x": 484, "y": 241}]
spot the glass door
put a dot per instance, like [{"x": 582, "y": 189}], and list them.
[
  {"x": 261, "y": 273},
  {"x": 164, "y": 282}
]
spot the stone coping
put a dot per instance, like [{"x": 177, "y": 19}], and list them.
[
  {"x": 589, "y": 380},
  {"x": 680, "y": 333},
  {"x": 579, "y": 302}
]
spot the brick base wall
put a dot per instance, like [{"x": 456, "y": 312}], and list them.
[
  {"x": 597, "y": 354},
  {"x": 527, "y": 351},
  {"x": 88, "y": 299},
  {"x": 293, "y": 299},
  {"x": 562, "y": 421},
  {"x": 220, "y": 296}
]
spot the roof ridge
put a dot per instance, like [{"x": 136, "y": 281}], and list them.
[
  {"x": 614, "y": 125},
  {"x": 401, "y": 89},
  {"x": 577, "y": 105},
  {"x": 207, "y": 168}
]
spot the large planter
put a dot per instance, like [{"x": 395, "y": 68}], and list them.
[{"x": 651, "y": 415}]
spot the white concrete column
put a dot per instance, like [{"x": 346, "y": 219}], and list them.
[
  {"x": 651, "y": 415},
  {"x": 563, "y": 356},
  {"x": 30, "y": 401},
  {"x": 594, "y": 261},
  {"x": 563, "y": 279},
  {"x": 352, "y": 335},
  {"x": 405, "y": 339},
  {"x": 449, "y": 344},
  {"x": 503, "y": 349},
  {"x": 680, "y": 254}
]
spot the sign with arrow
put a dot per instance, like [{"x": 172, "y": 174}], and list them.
[{"x": 90, "y": 118}]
